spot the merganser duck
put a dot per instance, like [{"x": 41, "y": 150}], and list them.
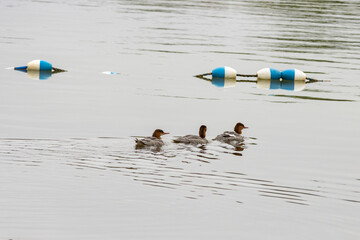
[
  {"x": 194, "y": 139},
  {"x": 232, "y": 137},
  {"x": 153, "y": 141}
]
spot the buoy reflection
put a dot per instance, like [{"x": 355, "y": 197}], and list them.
[
  {"x": 223, "y": 82},
  {"x": 274, "y": 84},
  {"x": 289, "y": 85},
  {"x": 40, "y": 75}
]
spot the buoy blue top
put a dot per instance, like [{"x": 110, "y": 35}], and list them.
[{"x": 224, "y": 72}]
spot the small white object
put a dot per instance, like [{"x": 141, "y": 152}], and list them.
[{"x": 109, "y": 73}]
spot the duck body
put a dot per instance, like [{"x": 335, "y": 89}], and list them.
[
  {"x": 191, "y": 139},
  {"x": 230, "y": 137},
  {"x": 194, "y": 139},
  {"x": 153, "y": 141},
  {"x": 149, "y": 142}
]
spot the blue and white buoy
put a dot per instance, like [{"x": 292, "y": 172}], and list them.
[
  {"x": 268, "y": 74},
  {"x": 36, "y": 65},
  {"x": 38, "y": 69},
  {"x": 293, "y": 74},
  {"x": 224, "y": 72}
]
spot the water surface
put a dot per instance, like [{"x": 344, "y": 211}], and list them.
[{"x": 69, "y": 168}]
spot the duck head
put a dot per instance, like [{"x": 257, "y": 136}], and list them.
[
  {"x": 158, "y": 133},
  {"x": 202, "y": 131},
  {"x": 239, "y": 127}
]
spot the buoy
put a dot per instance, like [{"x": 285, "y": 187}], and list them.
[
  {"x": 223, "y": 82},
  {"x": 268, "y": 73},
  {"x": 36, "y": 65},
  {"x": 262, "y": 74},
  {"x": 224, "y": 72},
  {"x": 293, "y": 74},
  {"x": 39, "y": 69}
]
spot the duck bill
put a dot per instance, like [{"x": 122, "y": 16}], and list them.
[
  {"x": 165, "y": 133},
  {"x": 245, "y": 127}
]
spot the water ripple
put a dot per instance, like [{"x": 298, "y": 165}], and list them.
[{"x": 189, "y": 169}]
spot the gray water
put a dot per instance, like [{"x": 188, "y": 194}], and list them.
[{"x": 68, "y": 165}]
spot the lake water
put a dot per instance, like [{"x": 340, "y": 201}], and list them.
[{"x": 68, "y": 165}]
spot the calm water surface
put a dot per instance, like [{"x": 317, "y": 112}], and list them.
[{"x": 68, "y": 165}]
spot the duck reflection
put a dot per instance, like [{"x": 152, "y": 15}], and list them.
[{"x": 40, "y": 75}]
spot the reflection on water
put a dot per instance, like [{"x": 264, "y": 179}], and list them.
[
  {"x": 301, "y": 158},
  {"x": 173, "y": 167},
  {"x": 41, "y": 75},
  {"x": 223, "y": 82},
  {"x": 273, "y": 84}
]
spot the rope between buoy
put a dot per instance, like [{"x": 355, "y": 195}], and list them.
[
  {"x": 311, "y": 80},
  {"x": 203, "y": 75},
  {"x": 246, "y": 75},
  {"x": 57, "y": 70}
]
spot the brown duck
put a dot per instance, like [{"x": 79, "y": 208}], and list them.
[
  {"x": 232, "y": 137},
  {"x": 153, "y": 141}
]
